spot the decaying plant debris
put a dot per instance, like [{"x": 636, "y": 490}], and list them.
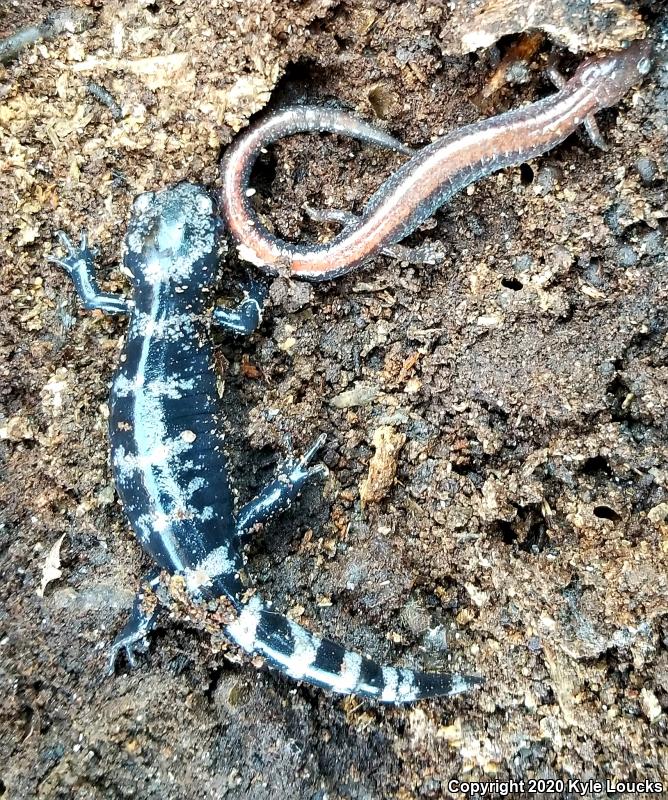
[{"x": 525, "y": 533}]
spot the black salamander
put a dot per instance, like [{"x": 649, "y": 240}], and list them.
[{"x": 167, "y": 450}]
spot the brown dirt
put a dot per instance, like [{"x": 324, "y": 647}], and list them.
[{"x": 527, "y": 527}]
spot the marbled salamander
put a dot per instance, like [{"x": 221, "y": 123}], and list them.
[{"x": 167, "y": 447}]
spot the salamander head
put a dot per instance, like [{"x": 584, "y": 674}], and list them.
[
  {"x": 609, "y": 77},
  {"x": 173, "y": 243}
]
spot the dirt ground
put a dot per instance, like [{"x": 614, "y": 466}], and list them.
[{"x": 525, "y": 538}]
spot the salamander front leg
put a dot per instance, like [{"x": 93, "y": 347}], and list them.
[
  {"x": 80, "y": 266},
  {"x": 279, "y": 495},
  {"x": 142, "y": 620},
  {"x": 425, "y": 254},
  {"x": 247, "y": 316},
  {"x": 589, "y": 122}
]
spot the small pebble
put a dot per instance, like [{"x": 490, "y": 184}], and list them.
[
  {"x": 647, "y": 169},
  {"x": 518, "y": 72},
  {"x": 626, "y": 256},
  {"x": 650, "y": 704},
  {"x": 618, "y": 217},
  {"x": 591, "y": 271},
  {"x": 360, "y": 395},
  {"x": 547, "y": 178},
  {"x": 476, "y": 225},
  {"x": 292, "y": 295},
  {"x": 653, "y": 243},
  {"x": 523, "y": 263},
  {"x": 661, "y": 76}
]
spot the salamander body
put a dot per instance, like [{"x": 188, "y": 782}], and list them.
[
  {"x": 167, "y": 450},
  {"x": 429, "y": 178}
]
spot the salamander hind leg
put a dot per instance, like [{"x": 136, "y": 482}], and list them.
[
  {"x": 143, "y": 618},
  {"x": 80, "y": 266},
  {"x": 424, "y": 254},
  {"x": 279, "y": 495},
  {"x": 301, "y": 655}
]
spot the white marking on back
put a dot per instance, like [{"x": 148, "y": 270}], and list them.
[
  {"x": 194, "y": 485},
  {"x": 157, "y": 453},
  {"x": 243, "y": 629},
  {"x": 217, "y": 562},
  {"x": 391, "y": 681},
  {"x": 407, "y": 690},
  {"x": 459, "y": 684},
  {"x": 304, "y": 653},
  {"x": 350, "y": 670},
  {"x": 170, "y": 328}
]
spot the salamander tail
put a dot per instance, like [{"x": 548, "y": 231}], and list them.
[{"x": 296, "y": 652}]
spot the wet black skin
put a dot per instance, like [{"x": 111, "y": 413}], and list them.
[{"x": 167, "y": 447}]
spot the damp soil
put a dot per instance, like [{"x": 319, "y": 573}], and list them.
[{"x": 522, "y": 533}]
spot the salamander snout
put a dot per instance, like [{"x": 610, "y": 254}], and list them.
[{"x": 611, "y": 76}]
